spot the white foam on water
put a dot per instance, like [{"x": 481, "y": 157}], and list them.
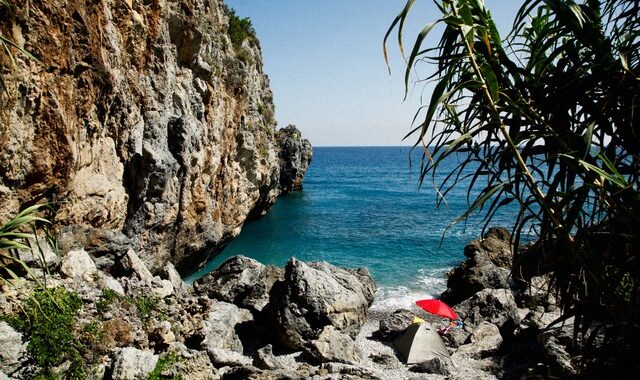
[{"x": 428, "y": 284}]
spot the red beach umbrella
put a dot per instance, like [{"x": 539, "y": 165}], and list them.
[{"x": 437, "y": 307}]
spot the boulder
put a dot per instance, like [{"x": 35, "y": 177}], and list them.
[
  {"x": 316, "y": 295},
  {"x": 436, "y": 366},
  {"x": 394, "y": 325},
  {"x": 77, "y": 264},
  {"x": 241, "y": 281},
  {"x": 485, "y": 340},
  {"x": 536, "y": 292},
  {"x": 221, "y": 357},
  {"x": 264, "y": 359},
  {"x": 131, "y": 363},
  {"x": 333, "y": 346},
  {"x": 170, "y": 273},
  {"x": 495, "y": 306},
  {"x": 12, "y": 349},
  {"x": 106, "y": 247},
  {"x": 487, "y": 266},
  {"x": 133, "y": 265},
  {"x": 222, "y": 326},
  {"x": 190, "y": 364}
]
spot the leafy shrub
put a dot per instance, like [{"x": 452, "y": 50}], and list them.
[
  {"x": 107, "y": 298},
  {"x": 49, "y": 321},
  {"x": 239, "y": 29}
]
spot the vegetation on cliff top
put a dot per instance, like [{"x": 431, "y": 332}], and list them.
[
  {"x": 546, "y": 120},
  {"x": 239, "y": 29}
]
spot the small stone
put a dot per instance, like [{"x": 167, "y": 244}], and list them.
[
  {"x": 131, "y": 363},
  {"x": 132, "y": 262},
  {"x": 264, "y": 359},
  {"x": 78, "y": 264}
]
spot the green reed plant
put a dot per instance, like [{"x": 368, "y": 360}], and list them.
[{"x": 547, "y": 120}]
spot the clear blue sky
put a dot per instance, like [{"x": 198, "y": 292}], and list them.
[{"x": 328, "y": 74}]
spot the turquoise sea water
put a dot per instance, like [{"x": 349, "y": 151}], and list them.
[{"x": 361, "y": 206}]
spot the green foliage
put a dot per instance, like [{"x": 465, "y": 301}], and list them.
[
  {"x": 107, "y": 298},
  {"x": 145, "y": 306},
  {"x": 13, "y": 237},
  {"x": 48, "y": 322},
  {"x": 239, "y": 29},
  {"x": 546, "y": 120},
  {"x": 163, "y": 364}
]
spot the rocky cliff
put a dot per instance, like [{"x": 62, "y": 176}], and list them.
[{"x": 139, "y": 117}]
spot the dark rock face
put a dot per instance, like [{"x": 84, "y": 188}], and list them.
[
  {"x": 495, "y": 306},
  {"x": 394, "y": 325},
  {"x": 242, "y": 281},
  {"x": 295, "y": 158},
  {"x": 316, "y": 295},
  {"x": 106, "y": 247},
  {"x": 487, "y": 267}
]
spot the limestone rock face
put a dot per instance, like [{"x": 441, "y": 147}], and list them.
[
  {"x": 140, "y": 118},
  {"x": 316, "y": 295}
]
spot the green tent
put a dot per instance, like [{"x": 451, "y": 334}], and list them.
[{"x": 421, "y": 342}]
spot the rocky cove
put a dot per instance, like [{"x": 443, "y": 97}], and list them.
[{"x": 246, "y": 320}]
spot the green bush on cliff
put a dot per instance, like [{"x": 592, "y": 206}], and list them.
[
  {"x": 546, "y": 121},
  {"x": 239, "y": 29},
  {"x": 48, "y": 322}
]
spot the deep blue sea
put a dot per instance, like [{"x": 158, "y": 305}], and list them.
[{"x": 362, "y": 206}]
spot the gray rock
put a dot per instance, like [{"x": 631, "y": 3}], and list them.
[
  {"x": 132, "y": 263},
  {"x": 131, "y": 363},
  {"x": 77, "y": 264},
  {"x": 170, "y": 273},
  {"x": 295, "y": 157},
  {"x": 349, "y": 370},
  {"x": 105, "y": 246},
  {"x": 485, "y": 340},
  {"x": 108, "y": 282},
  {"x": 222, "y": 357},
  {"x": 333, "y": 346},
  {"x": 241, "y": 281},
  {"x": 41, "y": 255},
  {"x": 394, "y": 325},
  {"x": 559, "y": 359},
  {"x": 12, "y": 349},
  {"x": 487, "y": 267},
  {"x": 161, "y": 288},
  {"x": 495, "y": 306},
  {"x": 537, "y": 292},
  {"x": 221, "y": 327},
  {"x": 315, "y": 295},
  {"x": 253, "y": 373},
  {"x": 190, "y": 364},
  {"x": 437, "y": 366},
  {"x": 264, "y": 359}
]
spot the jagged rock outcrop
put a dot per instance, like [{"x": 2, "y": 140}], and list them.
[
  {"x": 295, "y": 158},
  {"x": 488, "y": 266},
  {"x": 139, "y": 117},
  {"x": 315, "y": 295}
]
